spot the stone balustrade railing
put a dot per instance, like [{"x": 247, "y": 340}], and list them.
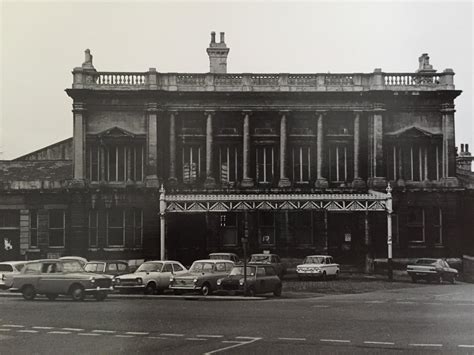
[{"x": 152, "y": 80}]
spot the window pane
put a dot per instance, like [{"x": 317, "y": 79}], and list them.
[
  {"x": 56, "y": 219},
  {"x": 56, "y": 237},
  {"x": 9, "y": 218},
  {"x": 115, "y": 218}
]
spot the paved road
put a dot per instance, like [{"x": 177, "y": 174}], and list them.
[{"x": 417, "y": 320}]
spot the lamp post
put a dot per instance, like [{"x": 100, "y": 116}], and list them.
[
  {"x": 245, "y": 240},
  {"x": 389, "y": 232}
]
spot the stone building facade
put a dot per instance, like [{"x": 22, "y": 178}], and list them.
[{"x": 178, "y": 165}]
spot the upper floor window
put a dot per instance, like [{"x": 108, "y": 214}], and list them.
[
  {"x": 265, "y": 164},
  {"x": 340, "y": 162},
  {"x": 193, "y": 160},
  {"x": 301, "y": 163},
  {"x": 115, "y": 162},
  {"x": 57, "y": 228},
  {"x": 229, "y": 162}
]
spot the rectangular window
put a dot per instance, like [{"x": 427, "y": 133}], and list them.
[
  {"x": 229, "y": 164},
  {"x": 339, "y": 160},
  {"x": 33, "y": 229},
  {"x": 192, "y": 159},
  {"x": 93, "y": 228},
  {"x": 265, "y": 164},
  {"x": 301, "y": 163},
  {"x": 116, "y": 227},
  {"x": 57, "y": 230},
  {"x": 9, "y": 230},
  {"x": 138, "y": 227},
  {"x": 228, "y": 223},
  {"x": 416, "y": 225},
  {"x": 266, "y": 224},
  {"x": 438, "y": 225}
]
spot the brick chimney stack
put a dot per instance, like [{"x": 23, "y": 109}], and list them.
[{"x": 218, "y": 54}]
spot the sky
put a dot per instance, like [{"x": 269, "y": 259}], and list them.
[{"x": 41, "y": 42}]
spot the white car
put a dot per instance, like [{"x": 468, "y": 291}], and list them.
[
  {"x": 150, "y": 277},
  {"x": 7, "y": 270},
  {"x": 321, "y": 266}
]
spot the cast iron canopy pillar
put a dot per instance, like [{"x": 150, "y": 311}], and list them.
[
  {"x": 162, "y": 223},
  {"x": 389, "y": 209}
]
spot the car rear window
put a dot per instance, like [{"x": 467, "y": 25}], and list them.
[
  {"x": 6, "y": 267},
  {"x": 425, "y": 261}
]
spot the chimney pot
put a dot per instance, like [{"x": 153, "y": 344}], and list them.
[
  {"x": 462, "y": 148},
  {"x": 213, "y": 37},
  {"x": 466, "y": 148},
  {"x": 222, "y": 37}
]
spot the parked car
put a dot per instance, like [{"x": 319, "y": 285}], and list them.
[
  {"x": 112, "y": 268},
  {"x": 320, "y": 266},
  {"x": 432, "y": 270},
  {"x": 134, "y": 264},
  {"x": 7, "y": 270},
  {"x": 78, "y": 259},
  {"x": 271, "y": 259},
  {"x": 202, "y": 276},
  {"x": 260, "y": 279},
  {"x": 53, "y": 277},
  {"x": 150, "y": 277},
  {"x": 225, "y": 256}
]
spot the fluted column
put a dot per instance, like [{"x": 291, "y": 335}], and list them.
[
  {"x": 357, "y": 182},
  {"x": 172, "y": 158},
  {"x": 151, "y": 179},
  {"x": 247, "y": 181},
  {"x": 321, "y": 182},
  {"x": 284, "y": 181},
  {"x": 79, "y": 141},
  {"x": 377, "y": 178},
  {"x": 448, "y": 151},
  {"x": 210, "y": 181}
]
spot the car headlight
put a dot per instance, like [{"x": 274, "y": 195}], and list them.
[
  {"x": 219, "y": 282},
  {"x": 139, "y": 280},
  {"x": 241, "y": 282},
  {"x": 171, "y": 278},
  {"x": 92, "y": 279},
  {"x": 117, "y": 280},
  {"x": 195, "y": 280}
]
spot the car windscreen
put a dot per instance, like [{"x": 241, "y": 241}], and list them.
[
  {"x": 260, "y": 259},
  {"x": 150, "y": 267},
  {"x": 94, "y": 267},
  {"x": 313, "y": 260},
  {"x": 219, "y": 257},
  {"x": 425, "y": 261},
  {"x": 202, "y": 267},
  {"x": 6, "y": 268},
  {"x": 72, "y": 266},
  {"x": 240, "y": 271}
]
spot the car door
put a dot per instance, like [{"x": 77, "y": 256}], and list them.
[
  {"x": 52, "y": 278},
  {"x": 271, "y": 279},
  {"x": 163, "y": 277},
  {"x": 179, "y": 269},
  {"x": 331, "y": 267},
  {"x": 111, "y": 269}
]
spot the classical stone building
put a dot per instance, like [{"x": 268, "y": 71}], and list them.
[{"x": 181, "y": 164}]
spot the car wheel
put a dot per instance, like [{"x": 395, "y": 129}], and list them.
[
  {"x": 251, "y": 292},
  {"x": 51, "y": 296},
  {"x": 77, "y": 293},
  {"x": 150, "y": 288},
  {"x": 277, "y": 291},
  {"x": 100, "y": 296},
  {"x": 324, "y": 275},
  {"x": 439, "y": 279},
  {"x": 29, "y": 293},
  {"x": 336, "y": 275},
  {"x": 206, "y": 289},
  {"x": 453, "y": 279}
]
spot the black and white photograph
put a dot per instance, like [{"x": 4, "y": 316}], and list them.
[{"x": 236, "y": 177}]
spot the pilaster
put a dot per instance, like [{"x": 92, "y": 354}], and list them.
[
  {"x": 357, "y": 182},
  {"x": 210, "y": 180},
  {"x": 449, "y": 150},
  {"x": 172, "y": 158},
  {"x": 321, "y": 182},
  {"x": 151, "y": 179},
  {"x": 247, "y": 181},
  {"x": 377, "y": 179},
  {"x": 79, "y": 112},
  {"x": 284, "y": 181}
]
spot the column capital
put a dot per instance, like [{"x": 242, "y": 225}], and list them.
[
  {"x": 378, "y": 107},
  {"x": 79, "y": 107},
  {"x": 151, "y": 107},
  {"x": 173, "y": 112},
  {"x": 247, "y": 112},
  {"x": 447, "y": 108},
  {"x": 321, "y": 112},
  {"x": 209, "y": 112},
  {"x": 358, "y": 111}
]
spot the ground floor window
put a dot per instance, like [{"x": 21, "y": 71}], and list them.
[
  {"x": 124, "y": 227},
  {"x": 93, "y": 228},
  {"x": 438, "y": 225},
  {"x": 229, "y": 230},
  {"x": 116, "y": 227},
  {"x": 33, "y": 228},
  {"x": 416, "y": 225},
  {"x": 9, "y": 228},
  {"x": 57, "y": 227},
  {"x": 266, "y": 228}
]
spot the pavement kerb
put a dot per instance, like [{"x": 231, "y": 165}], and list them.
[{"x": 171, "y": 297}]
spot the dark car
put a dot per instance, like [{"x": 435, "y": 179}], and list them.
[
  {"x": 108, "y": 267},
  {"x": 432, "y": 270},
  {"x": 272, "y": 259},
  {"x": 260, "y": 279},
  {"x": 225, "y": 256}
]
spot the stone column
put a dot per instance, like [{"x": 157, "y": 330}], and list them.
[
  {"x": 449, "y": 151},
  {"x": 284, "y": 181},
  {"x": 247, "y": 181},
  {"x": 79, "y": 142},
  {"x": 377, "y": 179},
  {"x": 151, "y": 179},
  {"x": 210, "y": 181},
  {"x": 357, "y": 182},
  {"x": 172, "y": 168},
  {"x": 321, "y": 182}
]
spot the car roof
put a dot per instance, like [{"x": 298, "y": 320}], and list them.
[
  {"x": 12, "y": 262},
  {"x": 263, "y": 254},
  {"x": 318, "y": 256},
  {"x": 107, "y": 261},
  {"x": 45, "y": 261},
  {"x": 213, "y": 261},
  {"x": 222, "y": 254}
]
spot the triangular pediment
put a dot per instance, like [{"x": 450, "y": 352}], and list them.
[
  {"x": 412, "y": 132},
  {"x": 115, "y": 132}
]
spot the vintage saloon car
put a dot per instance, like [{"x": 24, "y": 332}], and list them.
[
  {"x": 53, "y": 277},
  {"x": 150, "y": 277},
  {"x": 8, "y": 269},
  {"x": 112, "y": 268},
  {"x": 202, "y": 276},
  {"x": 225, "y": 256},
  {"x": 432, "y": 270},
  {"x": 260, "y": 279},
  {"x": 320, "y": 266},
  {"x": 272, "y": 259}
]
